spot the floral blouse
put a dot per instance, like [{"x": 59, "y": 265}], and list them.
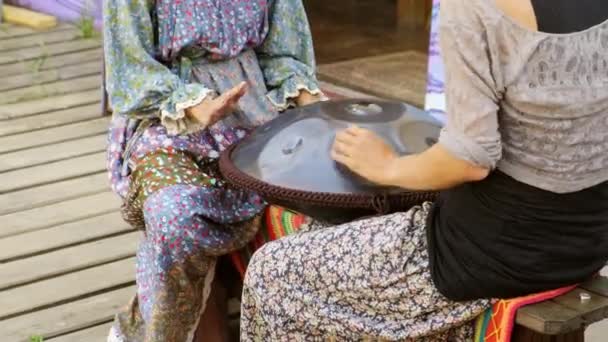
[{"x": 148, "y": 69}]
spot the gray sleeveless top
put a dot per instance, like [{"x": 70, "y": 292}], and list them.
[{"x": 532, "y": 104}]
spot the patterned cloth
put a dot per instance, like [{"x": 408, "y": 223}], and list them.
[
  {"x": 163, "y": 164},
  {"x": 365, "y": 279},
  {"x": 496, "y": 323},
  {"x": 239, "y": 25},
  {"x": 143, "y": 91},
  {"x": 141, "y": 87},
  {"x": 190, "y": 217}
]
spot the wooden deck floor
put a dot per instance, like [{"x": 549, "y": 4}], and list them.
[{"x": 66, "y": 256}]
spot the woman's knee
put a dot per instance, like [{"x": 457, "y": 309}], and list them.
[
  {"x": 255, "y": 268},
  {"x": 169, "y": 213}
]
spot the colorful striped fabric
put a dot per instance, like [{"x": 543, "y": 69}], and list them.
[
  {"x": 496, "y": 323},
  {"x": 279, "y": 222}
]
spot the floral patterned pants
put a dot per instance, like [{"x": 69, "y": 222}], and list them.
[
  {"x": 190, "y": 218},
  {"x": 367, "y": 279}
]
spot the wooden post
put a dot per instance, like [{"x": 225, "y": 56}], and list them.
[
  {"x": 413, "y": 14},
  {"x": 523, "y": 334}
]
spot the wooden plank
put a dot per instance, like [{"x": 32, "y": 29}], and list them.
[
  {"x": 53, "y": 193},
  {"x": 593, "y": 310},
  {"x": 58, "y": 88},
  {"x": 66, "y": 318},
  {"x": 548, "y": 317},
  {"x": 68, "y": 234},
  {"x": 22, "y": 16},
  {"x": 53, "y": 135},
  {"x": 598, "y": 285},
  {"x": 58, "y": 213},
  {"x": 523, "y": 334},
  {"x": 68, "y": 287},
  {"x": 413, "y": 14},
  {"x": 51, "y": 119},
  {"x": 97, "y": 333},
  {"x": 8, "y": 31},
  {"x": 53, "y": 172},
  {"x": 401, "y": 75},
  {"x": 26, "y": 108},
  {"x": 52, "y": 153},
  {"x": 43, "y": 77},
  {"x": 38, "y": 39},
  {"x": 45, "y": 51},
  {"x": 335, "y": 91},
  {"x": 50, "y": 63},
  {"x": 44, "y": 266}
]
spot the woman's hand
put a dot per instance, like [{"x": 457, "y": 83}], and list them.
[
  {"x": 306, "y": 98},
  {"x": 364, "y": 153},
  {"x": 367, "y": 155},
  {"x": 210, "y": 111}
]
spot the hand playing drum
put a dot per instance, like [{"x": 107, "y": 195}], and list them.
[{"x": 290, "y": 160}]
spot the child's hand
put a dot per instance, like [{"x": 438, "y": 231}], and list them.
[{"x": 210, "y": 111}]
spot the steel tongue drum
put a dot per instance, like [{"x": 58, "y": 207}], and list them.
[{"x": 287, "y": 160}]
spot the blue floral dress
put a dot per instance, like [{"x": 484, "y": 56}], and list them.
[{"x": 163, "y": 56}]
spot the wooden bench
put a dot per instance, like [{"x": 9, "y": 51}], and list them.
[{"x": 565, "y": 318}]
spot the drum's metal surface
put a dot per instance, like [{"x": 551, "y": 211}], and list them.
[{"x": 287, "y": 160}]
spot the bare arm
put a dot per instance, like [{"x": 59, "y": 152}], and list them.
[
  {"x": 435, "y": 169},
  {"x": 521, "y": 11}
]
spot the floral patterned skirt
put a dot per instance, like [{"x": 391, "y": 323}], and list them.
[{"x": 364, "y": 280}]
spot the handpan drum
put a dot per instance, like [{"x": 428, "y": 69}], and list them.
[{"x": 287, "y": 160}]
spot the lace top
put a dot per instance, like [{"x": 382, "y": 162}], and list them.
[{"x": 532, "y": 104}]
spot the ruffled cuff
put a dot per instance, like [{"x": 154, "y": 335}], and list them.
[
  {"x": 284, "y": 96},
  {"x": 173, "y": 110}
]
